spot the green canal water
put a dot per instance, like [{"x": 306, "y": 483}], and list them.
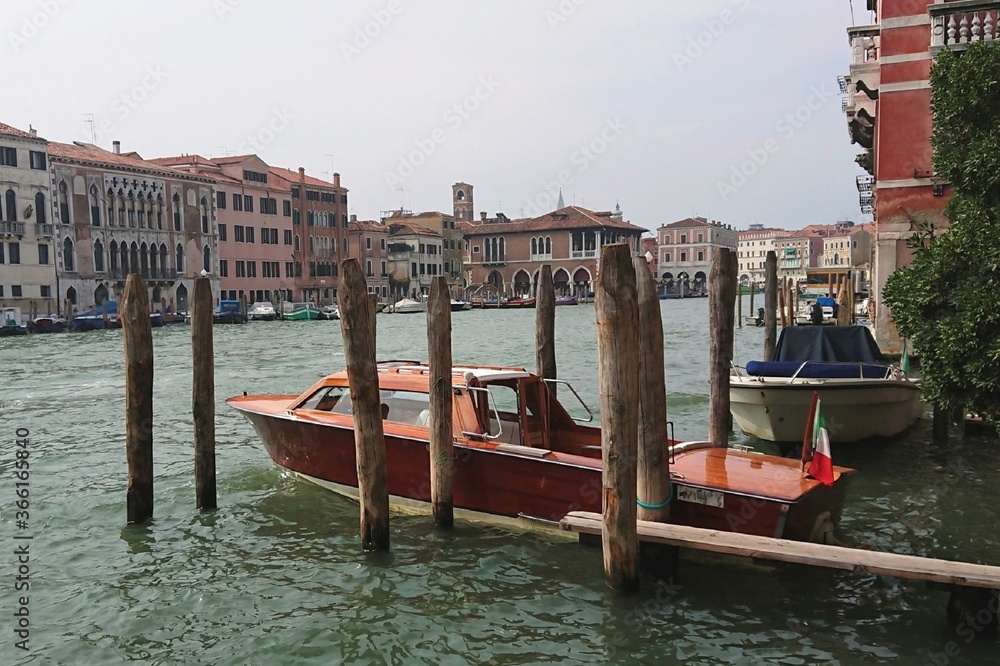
[{"x": 276, "y": 576}]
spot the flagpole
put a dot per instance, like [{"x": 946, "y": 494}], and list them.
[{"x": 808, "y": 437}]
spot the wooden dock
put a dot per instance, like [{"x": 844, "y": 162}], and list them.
[{"x": 960, "y": 574}]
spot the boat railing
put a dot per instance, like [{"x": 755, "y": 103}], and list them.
[
  {"x": 861, "y": 370},
  {"x": 795, "y": 376},
  {"x": 737, "y": 369},
  {"x": 496, "y": 415},
  {"x": 590, "y": 414}
]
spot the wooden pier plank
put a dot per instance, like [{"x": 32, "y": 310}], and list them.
[{"x": 812, "y": 554}]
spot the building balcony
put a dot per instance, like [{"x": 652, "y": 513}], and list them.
[
  {"x": 583, "y": 254},
  {"x": 955, "y": 25},
  {"x": 15, "y": 228},
  {"x": 864, "y": 40},
  {"x": 45, "y": 230}
]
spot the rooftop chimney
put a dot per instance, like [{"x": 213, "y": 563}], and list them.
[
  {"x": 336, "y": 180},
  {"x": 32, "y": 131},
  {"x": 302, "y": 174},
  {"x": 482, "y": 215},
  {"x": 354, "y": 218},
  {"x": 117, "y": 147}
]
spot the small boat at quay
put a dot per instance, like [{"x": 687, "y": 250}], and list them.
[
  {"x": 48, "y": 324},
  {"x": 10, "y": 322},
  {"x": 330, "y": 312},
  {"x": 459, "y": 305},
  {"x": 516, "y": 302},
  {"x": 262, "y": 311},
  {"x": 572, "y": 300},
  {"x": 300, "y": 312},
  {"x": 229, "y": 312},
  {"x": 409, "y": 306},
  {"x": 862, "y": 395},
  {"x": 521, "y": 458}
]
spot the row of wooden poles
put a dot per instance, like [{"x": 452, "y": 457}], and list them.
[{"x": 632, "y": 388}]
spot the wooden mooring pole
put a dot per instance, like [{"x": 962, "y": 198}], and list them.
[
  {"x": 770, "y": 304},
  {"x": 722, "y": 277},
  {"x": 357, "y": 326},
  {"x": 753, "y": 288},
  {"x": 545, "y": 326},
  {"x": 739, "y": 305},
  {"x": 618, "y": 380},
  {"x": 653, "y": 475},
  {"x": 137, "y": 333},
  {"x": 439, "y": 360},
  {"x": 203, "y": 394},
  {"x": 781, "y": 303}
]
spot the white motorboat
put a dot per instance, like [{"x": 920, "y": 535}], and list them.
[
  {"x": 408, "y": 306},
  {"x": 458, "y": 306},
  {"x": 262, "y": 311},
  {"x": 861, "y": 395}
]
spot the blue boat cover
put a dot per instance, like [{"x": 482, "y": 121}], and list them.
[
  {"x": 817, "y": 370},
  {"x": 832, "y": 344}
]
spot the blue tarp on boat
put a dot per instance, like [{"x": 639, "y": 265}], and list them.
[{"x": 817, "y": 370}]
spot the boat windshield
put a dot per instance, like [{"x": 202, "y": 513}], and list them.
[{"x": 407, "y": 407}]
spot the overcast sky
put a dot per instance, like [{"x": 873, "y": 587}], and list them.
[{"x": 661, "y": 106}]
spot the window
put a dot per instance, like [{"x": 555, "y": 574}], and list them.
[
  {"x": 288, "y": 236},
  {"x": 40, "y": 215},
  {"x": 95, "y": 207},
  {"x": 68, "y": 255},
  {"x": 8, "y": 157},
  {"x": 368, "y": 243},
  {"x": 177, "y": 212},
  {"x": 220, "y": 200},
  {"x": 268, "y": 206},
  {"x": 15, "y": 291},
  {"x": 345, "y": 246},
  {"x": 15, "y": 254},
  {"x": 254, "y": 176},
  {"x": 43, "y": 255},
  {"x": 252, "y": 269},
  {"x": 249, "y": 234},
  {"x": 369, "y": 271},
  {"x": 274, "y": 236},
  {"x": 413, "y": 270},
  {"x": 241, "y": 269},
  {"x": 179, "y": 254},
  {"x": 343, "y": 199},
  {"x": 381, "y": 243},
  {"x": 238, "y": 235},
  {"x": 46, "y": 291},
  {"x": 223, "y": 268},
  {"x": 206, "y": 259},
  {"x": 684, "y": 256},
  {"x": 204, "y": 216},
  {"x": 248, "y": 203},
  {"x": 237, "y": 202},
  {"x": 701, "y": 238},
  {"x": 701, "y": 256},
  {"x": 222, "y": 232},
  {"x": 286, "y": 208},
  {"x": 312, "y": 195},
  {"x": 296, "y": 193},
  {"x": 684, "y": 239},
  {"x": 265, "y": 236},
  {"x": 346, "y": 222},
  {"x": 383, "y": 268},
  {"x": 296, "y": 219},
  {"x": 289, "y": 269},
  {"x": 310, "y": 218},
  {"x": 37, "y": 160}
]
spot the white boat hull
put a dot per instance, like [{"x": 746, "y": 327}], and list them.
[{"x": 776, "y": 409}]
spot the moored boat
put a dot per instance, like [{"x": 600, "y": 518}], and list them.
[
  {"x": 10, "y": 322},
  {"x": 459, "y": 305},
  {"x": 528, "y": 462},
  {"x": 862, "y": 395},
  {"x": 262, "y": 311},
  {"x": 49, "y": 324},
  {"x": 330, "y": 312},
  {"x": 89, "y": 323},
  {"x": 409, "y": 306},
  {"x": 571, "y": 300},
  {"x": 300, "y": 312},
  {"x": 228, "y": 312}
]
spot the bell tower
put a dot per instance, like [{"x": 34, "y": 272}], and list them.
[{"x": 461, "y": 198}]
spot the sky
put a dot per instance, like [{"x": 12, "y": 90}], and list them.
[{"x": 726, "y": 109}]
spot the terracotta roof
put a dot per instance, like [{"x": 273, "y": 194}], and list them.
[
  {"x": 570, "y": 217},
  {"x": 212, "y": 168},
  {"x": 368, "y": 225},
  {"x": 748, "y": 232},
  {"x": 13, "y": 131},
  {"x": 87, "y": 152},
  {"x": 688, "y": 222},
  {"x": 293, "y": 178},
  {"x": 403, "y": 229}
]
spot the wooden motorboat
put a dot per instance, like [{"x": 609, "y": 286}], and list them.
[
  {"x": 521, "y": 458},
  {"x": 862, "y": 396}
]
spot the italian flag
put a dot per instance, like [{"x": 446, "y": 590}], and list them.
[{"x": 821, "y": 465}]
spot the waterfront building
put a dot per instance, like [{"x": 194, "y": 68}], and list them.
[
  {"x": 27, "y": 234},
  {"x": 415, "y": 257},
  {"x": 368, "y": 242},
  {"x": 507, "y": 254},
  {"x": 117, "y": 214},
  {"x": 754, "y": 244},
  {"x": 889, "y": 117},
  {"x": 687, "y": 248},
  {"x": 255, "y": 231},
  {"x": 799, "y": 250},
  {"x": 649, "y": 249},
  {"x": 451, "y": 237},
  {"x": 849, "y": 248}
]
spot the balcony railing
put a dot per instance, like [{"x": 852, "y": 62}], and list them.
[
  {"x": 864, "y": 41},
  {"x": 583, "y": 254},
  {"x": 158, "y": 274},
  {"x": 955, "y": 25},
  {"x": 12, "y": 228},
  {"x": 44, "y": 230}
]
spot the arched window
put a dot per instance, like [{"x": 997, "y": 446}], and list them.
[
  {"x": 164, "y": 265},
  {"x": 123, "y": 250},
  {"x": 154, "y": 251},
  {"x": 503, "y": 252},
  {"x": 133, "y": 258},
  {"x": 296, "y": 218},
  {"x": 10, "y": 203},
  {"x": 40, "y": 216},
  {"x": 206, "y": 259},
  {"x": 310, "y": 218},
  {"x": 312, "y": 245},
  {"x": 95, "y": 207},
  {"x": 333, "y": 246},
  {"x": 68, "y": 262},
  {"x": 177, "y": 212},
  {"x": 296, "y": 242},
  {"x": 98, "y": 256},
  {"x": 204, "y": 216},
  {"x": 548, "y": 245},
  {"x": 144, "y": 260},
  {"x": 113, "y": 255},
  {"x": 534, "y": 247},
  {"x": 180, "y": 258},
  {"x": 63, "y": 203}
]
